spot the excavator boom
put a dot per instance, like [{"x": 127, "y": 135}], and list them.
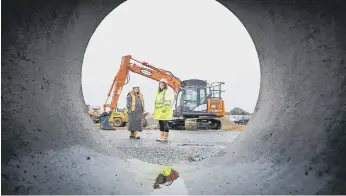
[{"x": 142, "y": 68}]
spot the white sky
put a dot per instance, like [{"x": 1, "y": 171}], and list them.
[{"x": 193, "y": 42}]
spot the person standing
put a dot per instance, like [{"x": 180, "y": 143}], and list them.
[
  {"x": 135, "y": 106},
  {"x": 163, "y": 110}
]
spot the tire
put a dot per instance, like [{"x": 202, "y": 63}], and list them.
[{"x": 117, "y": 122}]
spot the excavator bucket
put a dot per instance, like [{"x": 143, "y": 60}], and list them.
[{"x": 104, "y": 121}]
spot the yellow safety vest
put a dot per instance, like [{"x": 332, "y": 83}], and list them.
[
  {"x": 163, "y": 107},
  {"x": 167, "y": 171}
]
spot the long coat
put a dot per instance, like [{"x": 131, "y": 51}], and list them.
[{"x": 134, "y": 117}]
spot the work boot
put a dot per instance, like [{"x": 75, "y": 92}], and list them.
[
  {"x": 132, "y": 135},
  {"x": 136, "y": 135},
  {"x": 161, "y": 136}
]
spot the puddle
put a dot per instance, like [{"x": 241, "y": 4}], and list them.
[
  {"x": 166, "y": 177},
  {"x": 158, "y": 179},
  {"x": 168, "y": 181}
]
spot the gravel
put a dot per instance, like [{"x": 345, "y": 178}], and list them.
[{"x": 181, "y": 148}]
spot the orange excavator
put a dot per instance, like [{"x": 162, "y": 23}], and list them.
[{"x": 198, "y": 105}]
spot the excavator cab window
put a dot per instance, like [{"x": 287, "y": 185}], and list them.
[
  {"x": 202, "y": 96},
  {"x": 195, "y": 99},
  {"x": 191, "y": 99},
  {"x": 179, "y": 103},
  {"x": 179, "y": 98}
]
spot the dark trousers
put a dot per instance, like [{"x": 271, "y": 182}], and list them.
[{"x": 164, "y": 125}]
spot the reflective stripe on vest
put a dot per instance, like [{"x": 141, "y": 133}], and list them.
[
  {"x": 133, "y": 100},
  {"x": 163, "y": 103}
]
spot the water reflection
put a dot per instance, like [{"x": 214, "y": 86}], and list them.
[{"x": 166, "y": 178}]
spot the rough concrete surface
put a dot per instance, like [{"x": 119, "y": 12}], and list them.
[{"x": 293, "y": 144}]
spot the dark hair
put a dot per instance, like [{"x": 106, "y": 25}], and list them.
[
  {"x": 160, "y": 179},
  {"x": 164, "y": 88},
  {"x": 139, "y": 91}
]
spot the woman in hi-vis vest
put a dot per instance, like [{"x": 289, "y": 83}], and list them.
[{"x": 163, "y": 109}]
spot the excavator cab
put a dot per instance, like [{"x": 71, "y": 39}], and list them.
[{"x": 196, "y": 99}]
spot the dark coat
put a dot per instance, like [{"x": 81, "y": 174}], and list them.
[{"x": 134, "y": 117}]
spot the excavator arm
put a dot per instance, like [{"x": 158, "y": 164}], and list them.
[{"x": 142, "y": 68}]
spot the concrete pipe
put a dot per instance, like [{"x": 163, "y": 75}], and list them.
[{"x": 294, "y": 143}]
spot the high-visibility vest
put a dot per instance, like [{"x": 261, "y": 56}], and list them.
[
  {"x": 133, "y": 101},
  {"x": 163, "y": 106},
  {"x": 166, "y": 171}
]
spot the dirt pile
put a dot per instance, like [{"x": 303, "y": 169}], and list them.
[{"x": 228, "y": 125}]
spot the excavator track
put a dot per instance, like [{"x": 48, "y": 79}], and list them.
[
  {"x": 191, "y": 124},
  {"x": 194, "y": 124}
]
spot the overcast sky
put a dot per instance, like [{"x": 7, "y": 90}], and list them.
[{"x": 193, "y": 42}]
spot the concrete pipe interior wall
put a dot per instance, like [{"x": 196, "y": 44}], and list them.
[{"x": 295, "y": 143}]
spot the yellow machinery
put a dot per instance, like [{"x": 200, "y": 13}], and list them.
[
  {"x": 94, "y": 113},
  {"x": 119, "y": 118}
]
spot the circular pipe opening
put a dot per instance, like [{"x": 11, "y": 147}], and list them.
[
  {"x": 292, "y": 144},
  {"x": 214, "y": 47}
]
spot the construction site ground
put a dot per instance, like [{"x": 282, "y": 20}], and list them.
[
  {"x": 183, "y": 147},
  {"x": 184, "y": 152}
]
